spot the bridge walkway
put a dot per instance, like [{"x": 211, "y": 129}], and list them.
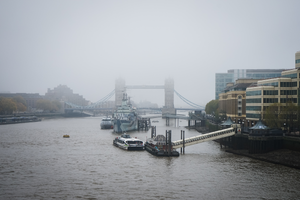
[{"x": 204, "y": 137}]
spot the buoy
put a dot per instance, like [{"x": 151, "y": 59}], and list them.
[{"x": 66, "y": 136}]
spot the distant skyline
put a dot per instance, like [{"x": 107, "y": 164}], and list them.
[{"x": 87, "y": 45}]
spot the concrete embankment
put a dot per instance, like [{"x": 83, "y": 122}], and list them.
[
  {"x": 288, "y": 155},
  {"x": 284, "y": 157},
  {"x": 46, "y": 115}
]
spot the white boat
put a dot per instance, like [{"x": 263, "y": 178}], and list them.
[
  {"x": 128, "y": 143},
  {"x": 106, "y": 123}
]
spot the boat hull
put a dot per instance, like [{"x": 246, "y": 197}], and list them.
[
  {"x": 159, "y": 153},
  {"x": 106, "y": 126},
  {"x": 121, "y": 126}
]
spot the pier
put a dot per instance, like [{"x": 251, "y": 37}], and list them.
[
  {"x": 144, "y": 124},
  {"x": 183, "y": 142}
]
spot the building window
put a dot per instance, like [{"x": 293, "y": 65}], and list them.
[
  {"x": 287, "y": 100},
  {"x": 253, "y": 100},
  {"x": 253, "y": 93},
  {"x": 275, "y": 84},
  {"x": 256, "y": 108},
  {"x": 250, "y": 115},
  {"x": 288, "y": 84},
  {"x": 270, "y": 100},
  {"x": 270, "y": 92},
  {"x": 290, "y": 75},
  {"x": 288, "y": 92}
]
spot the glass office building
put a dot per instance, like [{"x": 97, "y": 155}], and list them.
[{"x": 232, "y": 75}]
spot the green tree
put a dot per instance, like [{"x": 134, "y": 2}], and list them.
[
  {"x": 272, "y": 116},
  {"x": 278, "y": 114},
  {"x": 289, "y": 115},
  {"x": 212, "y": 107}
]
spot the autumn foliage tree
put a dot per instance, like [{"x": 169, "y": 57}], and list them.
[
  {"x": 10, "y": 105},
  {"x": 7, "y": 106},
  {"x": 20, "y": 103},
  {"x": 47, "y": 105}
]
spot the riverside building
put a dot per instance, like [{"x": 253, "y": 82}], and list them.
[
  {"x": 246, "y": 99},
  {"x": 221, "y": 79},
  {"x": 232, "y": 100},
  {"x": 276, "y": 90}
]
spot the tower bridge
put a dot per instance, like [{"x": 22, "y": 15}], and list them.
[{"x": 120, "y": 88}]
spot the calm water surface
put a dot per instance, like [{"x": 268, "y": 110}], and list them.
[{"x": 38, "y": 163}]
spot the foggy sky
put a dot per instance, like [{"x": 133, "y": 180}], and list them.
[{"x": 87, "y": 45}]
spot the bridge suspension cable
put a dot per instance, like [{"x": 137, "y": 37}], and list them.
[
  {"x": 104, "y": 99},
  {"x": 188, "y": 101}
]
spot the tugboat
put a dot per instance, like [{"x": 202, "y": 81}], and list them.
[
  {"x": 125, "y": 117},
  {"x": 157, "y": 147},
  {"x": 106, "y": 123},
  {"x": 128, "y": 143}
]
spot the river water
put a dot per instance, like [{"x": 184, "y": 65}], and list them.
[{"x": 38, "y": 163}]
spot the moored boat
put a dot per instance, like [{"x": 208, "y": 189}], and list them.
[
  {"x": 157, "y": 147},
  {"x": 128, "y": 143},
  {"x": 125, "y": 117},
  {"x": 106, "y": 123}
]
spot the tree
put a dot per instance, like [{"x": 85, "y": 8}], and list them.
[
  {"x": 278, "y": 114},
  {"x": 212, "y": 107},
  {"x": 272, "y": 116},
  {"x": 289, "y": 115},
  {"x": 57, "y": 105},
  {"x": 7, "y": 106},
  {"x": 20, "y": 103},
  {"x": 47, "y": 105}
]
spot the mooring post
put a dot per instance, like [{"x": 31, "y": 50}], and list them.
[
  {"x": 166, "y": 149},
  {"x": 167, "y": 121},
  {"x": 183, "y": 143},
  {"x": 152, "y": 131},
  {"x": 169, "y": 142},
  {"x": 181, "y": 139}
]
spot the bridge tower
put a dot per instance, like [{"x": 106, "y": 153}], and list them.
[
  {"x": 119, "y": 90},
  {"x": 169, "y": 97}
]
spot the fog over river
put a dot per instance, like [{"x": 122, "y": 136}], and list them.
[{"x": 38, "y": 163}]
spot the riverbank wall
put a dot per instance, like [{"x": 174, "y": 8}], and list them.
[
  {"x": 46, "y": 115},
  {"x": 283, "y": 150}
]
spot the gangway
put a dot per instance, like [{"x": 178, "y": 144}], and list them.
[{"x": 206, "y": 137}]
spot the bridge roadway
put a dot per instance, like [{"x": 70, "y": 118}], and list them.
[
  {"x": 178, "y": 116},
  {"x": 204, "y": 137}
]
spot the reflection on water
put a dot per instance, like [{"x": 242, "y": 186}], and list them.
[{"x": 38, "y": 163}]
